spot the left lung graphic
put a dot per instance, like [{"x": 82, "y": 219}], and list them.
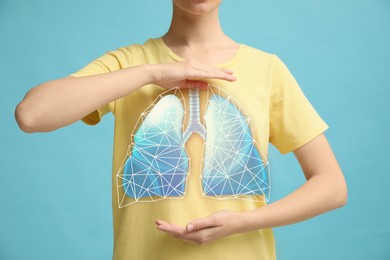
[
  {"x": 232, "y": 165},
  {"x": 157, "y": 167}
]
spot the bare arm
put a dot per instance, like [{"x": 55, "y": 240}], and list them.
[
  {"x": 61, "y": 102},
  {"x": 324, "y": 190}
]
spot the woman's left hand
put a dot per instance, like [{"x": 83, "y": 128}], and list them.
[{"x": 204, "y": 230}]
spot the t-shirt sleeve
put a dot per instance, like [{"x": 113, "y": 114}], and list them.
[
  {"x": 293, "y": 120},
  {"x": 108, "y": 62}
]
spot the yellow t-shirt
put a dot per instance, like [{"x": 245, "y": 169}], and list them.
[{"x": 266, "y": 96}]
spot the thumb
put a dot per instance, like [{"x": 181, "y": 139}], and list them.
[{"x": 200, "y": 224}]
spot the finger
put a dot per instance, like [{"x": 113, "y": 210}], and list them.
[
  {"x": 189, "y": 83},
  {"x": 202, "y": 223},
  {"x": 226, "y": 71},
  {"x": 227, "y": 77},
  {"x": 209, "y": 72},
  {"x": 182, "y": 233},
  {"x": 222, "y": 76},
  {"x": 177, "y": 232},
  {"x": 199, "y": 70},
  {"x": 223, "y": 72},
  {"x": 215, "y": 68},
  {"x": 160, "y": 221},
  {"x": 203, "y": 236},
  {"x": 170, "y": 228},
  {"x": 167, "y": 229},
  {"x": 164, "y": 226},
  {"x": 220, "y": 73},
  {"x": 198, "y": 237},
  {"x": 163, "y": 223}
]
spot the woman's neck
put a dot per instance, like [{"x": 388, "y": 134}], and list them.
[
  {"x": 195, "y": 31},
  {"x": 200, "y": 37}
]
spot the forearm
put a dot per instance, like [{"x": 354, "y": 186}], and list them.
[
  {"x": 60, "y": 102},
  {"x": 319, "y": 194}
]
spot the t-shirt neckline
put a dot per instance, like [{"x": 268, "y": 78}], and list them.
[{"x": 176, "y": 57}]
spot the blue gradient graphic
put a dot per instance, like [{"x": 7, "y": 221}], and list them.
[
  {"x": 232, "y": 164},
  {"x": 159, "y": 162}
]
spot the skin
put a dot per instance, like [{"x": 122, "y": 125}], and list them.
[
  {"x": 195, "y": 34},
  {"x": 55, "y": 104},
  {"x": 325, "y": 188}
]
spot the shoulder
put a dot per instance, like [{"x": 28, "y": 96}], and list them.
[
  {"x": 275, "y": 63},
  {"x": 149, "y": 45},
  {"x": 258, "y": 53},
  {"x": 258, "y": 56},
  {"x": 134, "y": 53},
  {"x": 130, "y": 49}
]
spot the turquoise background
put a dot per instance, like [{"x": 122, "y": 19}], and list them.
[{"x": 55, "y": 188}]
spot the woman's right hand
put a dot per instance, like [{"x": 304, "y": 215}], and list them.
[
  {"x": 188, "y": 74},
  {"x": 57, "y": 103}
]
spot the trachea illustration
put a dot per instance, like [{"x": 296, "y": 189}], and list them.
[
  {"x": 157, "y": 163},
  {"x": 194, "y": 125}
]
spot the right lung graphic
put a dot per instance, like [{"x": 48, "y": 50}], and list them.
[
  {"x": 232, "y": 165},
  {"x": 157, "y": 167},
  {"x": 158, "y": 163}
]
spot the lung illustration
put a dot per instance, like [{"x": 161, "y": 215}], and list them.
[
  {"x": 157, "y": 164},
  {"x": 233, "y": 167}
]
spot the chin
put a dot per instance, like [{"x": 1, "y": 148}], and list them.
[{"x": 197, "y": 7}]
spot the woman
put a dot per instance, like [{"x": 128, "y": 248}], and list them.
[{"x": 128, "y": 80}]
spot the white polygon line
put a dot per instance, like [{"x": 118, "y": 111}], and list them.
[
  {"x": 151, "y": 158},
  {"x": 235, "y": 132}
]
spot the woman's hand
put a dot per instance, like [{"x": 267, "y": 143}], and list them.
[
  {"x": 42, "y": 109},
  {"x": 188, "y": 74},
  {"x": 202, "y": 231}
]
